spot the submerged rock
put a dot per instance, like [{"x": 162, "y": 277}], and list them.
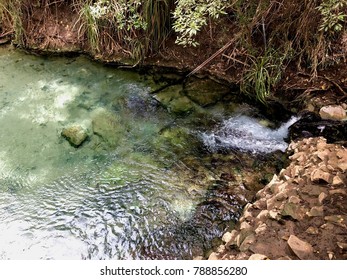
[
  {"x": 205, "y": 92},
  {"x": 165, "y": 96},
  {"x": 75, "y": 134},
  {"x": 107, "y": 125},
  {"x": 174, "y": 101},
  {"x": 181, "y": 105}
]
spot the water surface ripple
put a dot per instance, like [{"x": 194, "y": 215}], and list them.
[{"x": 105, "y": 200}]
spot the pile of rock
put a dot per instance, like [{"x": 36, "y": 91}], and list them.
[{"x": 300, "y": 214}]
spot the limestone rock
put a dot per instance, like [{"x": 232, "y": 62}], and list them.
[
  {"x": 327, "y": 226},
  {"x": 337, "y": 191},
  {"x": 312, "y": 230},
  {"x": 261, "y": 229},
  {"x": 213, "y": 257},
  {"x": 242, "y": 236},
  {"x": 335, "y": 219},
  {"x": 332, "y": 113},
  {"x": 321, "y": 197},
  {"x": 291, "y": 210},
  {"x": 294, "y": 199},
  {"x": 258, "y": 257},
  {"x": 319, "y": 175},
  {"x": 263, "y": 215},
  {"x": 316, "y": 211},
  {"x": 230, "y": 240},
  {"x": 245, "y": 225},
  {"x": 228, "y": 237},
  {"x": 300, "y": 248},
  {"x": 247, "y": 242},
  {"x": 75, "y": 134},
  {"x": 342, "y": 166},
  {"x": 342, "y": 245},
  {"x": 337, "y": 181},
  {"x": 274, "y": 215}
]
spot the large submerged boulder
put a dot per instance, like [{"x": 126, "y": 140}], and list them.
[
  {"x": 173, "y": 99},
  {"x": 107, "y": 125},
  {"x": 205, "y": 92}
]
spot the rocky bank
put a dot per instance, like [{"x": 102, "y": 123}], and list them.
[{"x": 300, "y": 214}]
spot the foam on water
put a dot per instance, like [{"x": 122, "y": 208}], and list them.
[{"x": 246, "y": 134}]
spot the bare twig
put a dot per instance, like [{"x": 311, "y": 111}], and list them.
[
  {"x": 207, "y": 61},
  {"x": 236, "y": 60},
  {"x": 336, "y": 85}
]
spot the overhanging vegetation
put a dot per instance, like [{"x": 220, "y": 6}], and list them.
[{"x": 267, "y": 35}]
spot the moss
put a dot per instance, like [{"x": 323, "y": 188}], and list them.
[
  {"x": 205, "y": 92},
  {"x": 75, "y": 134}
]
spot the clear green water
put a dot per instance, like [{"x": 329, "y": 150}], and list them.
[{"x": 110, "y": 198}]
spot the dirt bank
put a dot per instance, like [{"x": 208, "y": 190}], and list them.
[{"x": 300, "y": 214}]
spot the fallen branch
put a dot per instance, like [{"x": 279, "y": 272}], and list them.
[
  {"x": 236, "y": 60},
  {"x": 207, "y": 61}
]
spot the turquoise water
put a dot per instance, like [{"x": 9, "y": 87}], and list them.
[
  {"x": 145, "y": 184},
  {"x": 112, "y": 197}
]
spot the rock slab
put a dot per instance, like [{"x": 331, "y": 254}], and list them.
[
  {"x": 301, "y": 249},
  {"x": 336, "y": 113}
]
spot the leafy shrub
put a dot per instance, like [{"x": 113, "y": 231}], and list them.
[
  {"x": 191, "y": 15},
  {"x": 332, "y": 15}
]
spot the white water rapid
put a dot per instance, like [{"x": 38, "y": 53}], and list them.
[{"x": 247, "y": 134}]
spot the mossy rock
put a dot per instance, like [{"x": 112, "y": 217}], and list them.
[
  {"x": 174, "y": 101},
  {"x": 205, "y": 92},
  {"x": 75, "y": 134},
  {"x": 131, "y": 170},
  {"x": 165, "y": 96},
  {"x": 176, "y": 136},
  {"x": 181, "y": 106},
  {"x": 107, "y": 125}
]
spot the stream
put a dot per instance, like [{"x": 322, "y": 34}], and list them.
[{"x": 133, "y": 189}]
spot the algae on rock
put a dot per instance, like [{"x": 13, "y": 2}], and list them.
[
  {"x": 108, "y": 126},
  {"x": 205, "y": 92},
  {"x": 75, "y": 134}
]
